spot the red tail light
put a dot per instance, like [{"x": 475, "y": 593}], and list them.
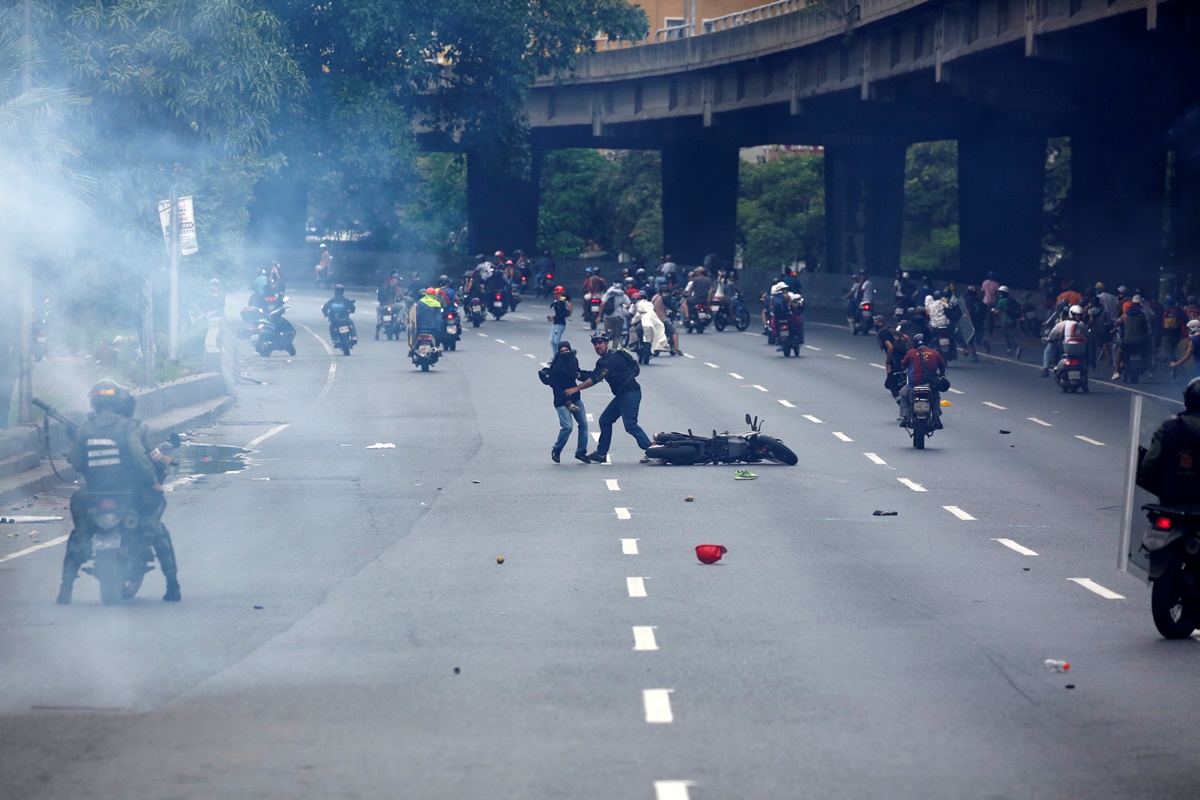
[
  {"x": 1162, "y": 523},
  {"x": 549, "y": 277}
]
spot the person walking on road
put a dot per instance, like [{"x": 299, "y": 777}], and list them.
[
  {"x": 560, "y": 309},
  {"x": 620, "y": 370},
  {"x": 562, "y": 375}
]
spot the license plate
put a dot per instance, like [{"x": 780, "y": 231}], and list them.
[
  {"x": 944, "y": 342},
  {"x": 423, "y": 350},
  {"x": 498, "y": 304},
  {"x": 344, "y": 329},
  {"x": 921, "y": 406},
  {"x": 1074, "y": 374},
  {"x": 387, "y": 317},
  {"x": 704, "y": 315},
  {"x": 254, "y": 337},
  {"x": 452, "y": 329},
  {"x": 106, "y": 541}
]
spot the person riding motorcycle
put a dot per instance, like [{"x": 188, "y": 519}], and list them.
[
  {"x": 425, "y": 316},
  {"x": 923, "y": 365},
  {"x": 698, "y": 290},
  {"x": 1134, "y": 329},
  {"x": 1171, "y": 467},
  {"x": 389, "y": 294},
  {"x": 1071, "y": 327},
  {"x": 113, "y": 453},
  {"x": 446, "y": 293},
  {"x": 340, "y": 306}
]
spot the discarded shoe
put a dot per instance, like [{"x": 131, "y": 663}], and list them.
[{"x": 744, "y": 475}]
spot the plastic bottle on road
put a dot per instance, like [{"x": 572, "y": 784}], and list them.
[{"x": 1055, "y": 665}]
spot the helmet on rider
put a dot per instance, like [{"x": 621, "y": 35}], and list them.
[
  {"x": 559, "y": 290},
  {"x": 1193, "y": 325},
  {"x": 1191, "y": 396},
  {"x": 443, "y": 280},
  {"x": 1076, "y": 311},
  {"x": 1136, "y": 300},
  {"x": 599, "y": 336},
  {"x": 628, "y": 281},
  {"x": 431, "y": 291},
  {"x": 109, "y": 394},
  {"x": 641, "y": 273},
  {"x": 339, "y": 290},
  {"x": 879, "y": 320},
  {"x": 919, "y": 340},
  {"x": 499, "y": 254},
  {"x": 1002, "y": 290}
]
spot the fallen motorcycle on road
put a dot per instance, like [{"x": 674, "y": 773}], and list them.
[{"x": 750, "y": 447}]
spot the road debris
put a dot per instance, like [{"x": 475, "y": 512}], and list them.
[
  {"x": 710, "y": 553},
  {"x": 878, "y": 513},
  {"x": 689, "y": 499},
  {"x": 499, "y": 559},
  {"x": 381, "y": 446}
]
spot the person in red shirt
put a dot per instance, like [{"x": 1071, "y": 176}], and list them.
[{"x": 923, "y": 366}]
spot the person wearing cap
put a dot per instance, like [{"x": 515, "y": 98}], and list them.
[
  {"x": 1134, "y": 330},
  {"x": 560, "y": 310},
  {"x": 619, "y": 369}
]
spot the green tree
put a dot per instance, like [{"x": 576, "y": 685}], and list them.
[
  {"x": 781, "y": 212},
  {"x": 931, "y": 207},
  {"x": 635, "y": 186},
  {"x": 575, "y": 209},
  {"x": 1056, "y": 236}
]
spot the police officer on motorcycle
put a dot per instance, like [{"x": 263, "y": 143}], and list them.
[
  {"x": 113, "y": 454},
  {"x": 1171, "y": 467}
]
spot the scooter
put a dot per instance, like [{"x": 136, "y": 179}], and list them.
[
  {"x": 926, "y": 417},
  {"x": 864, "y": 320},
  {"x": 269, "y": 332},
  {"x": 591, "y": 313},
  {"x": 740, "y": 318},
  {"x": 751, "y": 447},
  {"x": 499, "y": 305},
  {"x": 1173, "y": 544},
  {"x": 425, "y": 351},
  {"x": 1071, "y": 372},
  {"x": 944, "y": 340},
  {"x": 451, "y": 330}
]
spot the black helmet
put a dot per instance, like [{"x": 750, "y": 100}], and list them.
[
  {"x": 1191, "y": 396},
  {"x": 111, "y": 395},
  {"x": 339, "y": 289},
  {"x": 443, "y": 279},
  {"x": 919, "y": 340}
]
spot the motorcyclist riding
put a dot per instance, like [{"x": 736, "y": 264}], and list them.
[
  {"x": 425, "y": 317},
  {"x": 340, "y": 306},
  {"x": 923, "y": 365}
]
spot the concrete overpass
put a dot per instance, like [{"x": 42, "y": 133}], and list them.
[{"x": 866, "y": 79}]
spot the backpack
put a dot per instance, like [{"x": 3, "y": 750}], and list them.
[
  {"x": 954, "y": 312},
  {"x": 609, "y": 306},
  {"x": 1012, "y": 309},
  {"x": 637, "y": 367},
  {"x": 544, "y": 375}
]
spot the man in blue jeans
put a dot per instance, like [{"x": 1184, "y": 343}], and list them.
[
  {"x": 561, "y": 376},
  {"x": 620, "y": 370},
  {"x": 560, "y": 309}
]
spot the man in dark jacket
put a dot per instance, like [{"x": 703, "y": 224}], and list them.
[
  {"x": 617, "y": 367},
  {"x": 1171, "y": 468},
  {"x": 563, "y": 374}
]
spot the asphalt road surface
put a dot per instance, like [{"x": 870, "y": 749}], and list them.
[{"x": 347, "y": 631}]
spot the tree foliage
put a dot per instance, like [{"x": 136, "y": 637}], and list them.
[
  {"x": 781, "y": 212},
  {"x": 931, "y": 207}
]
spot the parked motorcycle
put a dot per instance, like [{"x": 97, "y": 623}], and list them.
[
  {"x": 721, "y": 448},
  {"x": 269, "y": 331},
  {"x": 451, "y": 329},
  {"x": 425, "y": 352},
  {"x": 1071, "y": 372},
  {"x": 699, "y": 316},
  {"x": 499, "y": 305},
  {"x": 1173, "y": 544},
  {"x": 864, "y": 320},
  {"x": 390, "y": 321},
  {"x": 740, "y": 318}
]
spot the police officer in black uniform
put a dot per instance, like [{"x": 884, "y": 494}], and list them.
[
  {"x": 1171, "y": 468},
  {"x": 108, "y": 452}
]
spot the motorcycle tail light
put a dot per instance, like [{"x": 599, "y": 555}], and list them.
[{"x": 1162, "y": 523}]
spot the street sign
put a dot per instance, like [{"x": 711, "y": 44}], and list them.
[{"x": 187, "y": 225}]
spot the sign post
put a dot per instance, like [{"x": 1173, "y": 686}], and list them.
[{"x": 179, "y": 230}]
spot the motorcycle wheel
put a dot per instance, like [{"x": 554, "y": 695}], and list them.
[
  {"x": 131, "y": 586},
  {"x": 743, "y": 320},
  {"x": 424, "y": 368},
  {"x": 263, "y": 350},
  {"x": 593, "y": 324},
  {"x": 778, "y": 451},
  {"x": 345, "y": 348},
  {"x": 918, "y": 433},
  {"x": 787, "y": 351},
  {"x": 107, "y": 570},
  {"x": 719, "y": 324},
  {"x": 291, "y": 349},
  {"x": 453, "y": 344},
  {"x": 1173, "y": 601}
]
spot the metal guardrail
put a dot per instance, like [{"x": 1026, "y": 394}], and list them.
[{"x": 674, "y": 32}]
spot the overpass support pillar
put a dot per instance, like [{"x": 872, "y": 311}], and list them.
[
  {"x": 502, "y": 210},
  {"x": 1118, "y": 196},
  {"x": 1001, "y": 192},
  {"x": 864, "y": 206},
  {"x": 699, "y": 200}
]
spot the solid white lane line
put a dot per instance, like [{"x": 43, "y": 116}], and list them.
[
  {"x": 255, "y": 442},
  {"x": 842, "y": 436},
  {"x": 993, "y": 405},
  {"x": 612, "y": 485},
  {"x": 786, "y": 404},
  {"x": 848, "y": 358},
  {"x": 710, "y": 364},
  {"x": 643, "y": 638},
  {"x": 879, "y": 366},
  {"x": 810, "y": 347},
  {"x": 736, "y": 376},
  {"x": 876, "y": 459},
  {"x": 688, "y": 355},
  {"x": 1040, "y": 422},
  {"x": 672, "y": 790},
  {"x": 658, "y": 705},
  {"x": 629, "y": 547},
  {"x": 748, "y": 333},
  {"x": 1011, "y": 545},
  {"x": 1089, "y": 441},
  {"x": 811, "y": 418},
  {"x": 958, "y": 512},
  {"x": 33, "y": 549},
  {"x": 760, "y": 388},
  {"x": 636, "y": 587},
  {"x": 332, "y": 363},
  {"x": 622, "y": 513},
  {"x": 916, "y": 487},
  {"x": 956, "y": 391},
  {"x": 1092, "y": 586}
]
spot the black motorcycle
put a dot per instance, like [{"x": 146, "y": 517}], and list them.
[
  {"x": 340, "y": 330},
  {"x": 1135, "y": 360},
  {"x": 721, "y": 448},
  {"x": 120, "y": 552},
  {"x": 390, "y": 321},
  {"x": 475, "y": 310},
  {"x": 1173, "y": 544},
  {"x": 943, "y": 339},
  {"x": 499, "y": 303},
  {"x": 699, "y": 315},
  {"x": 451, "y": 329},
  {"x": 425, "y": 351},
  {"x": 740, "y": 318},
  {"x": 269, "y": 331},
  {"x": 926, "y": 416}
]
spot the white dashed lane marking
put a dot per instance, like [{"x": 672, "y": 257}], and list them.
[
  {"x": 879, "y": 366},
  {"x": 33, "y": 549},
  {"x": 658, "y": 705},
  {"x": 848, "y": 358},
  {"x": 958, "y": 512},
  {"x": 993, "y": 405},
  {"x": 916, "y": 487},
  {"x": 786, "y": 404},
  {"x": 636, "y": 587},
  {"x": 842, "y": 436},
  {"x": 956, "y": 391},
  {"x": 710, "y": 364},
  {"x": 643, "y": 638},
  {"x": 810, "y": 347},
  {"x": 875, "y": 459},
  {"x": 811, "y": 418},
  {"x": 1089, "y": 441},
  {"x": 672, "y": 790},
  {"x": 1092, "y": 586},
  {"x": 1040, "y": 422},
  {"x": 612, "y": 484},
  {"x": 760, "y": 388},
  {"x": 513, "y": 347},
  {"x": 735, "y": 376},
  {"x": 622, "y": 513},
  {"x": 1011, "y": 545},
  {"x": 531, "y": 355},
  {"x": 260, "y": 439},
  {"x": 484, "y": 335},
  {"x": 500, "y": 341},
  {"x": 688, "y": 355},
  {"x": 629, "y": 547}
]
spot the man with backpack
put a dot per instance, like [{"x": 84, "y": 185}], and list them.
[
  {"x": 620, "y": 369},
  {"x": 895, "y": 346}
]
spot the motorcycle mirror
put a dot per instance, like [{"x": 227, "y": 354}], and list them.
[
  {"x": 175, "y": 440},
  {"x": 748, "y": 422}
]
